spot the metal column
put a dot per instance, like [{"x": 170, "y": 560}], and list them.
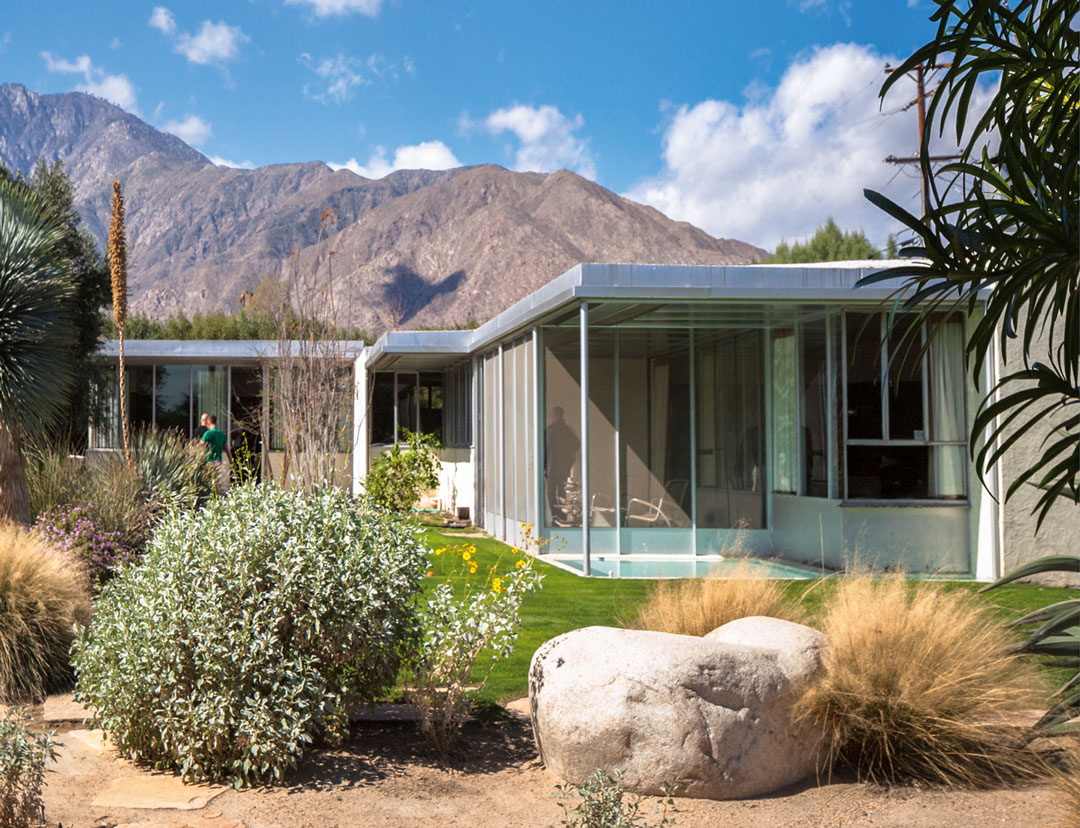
[{"x": 584, "y": 337}]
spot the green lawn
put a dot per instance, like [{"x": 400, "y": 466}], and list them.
[{"x": 567, "y": 601}]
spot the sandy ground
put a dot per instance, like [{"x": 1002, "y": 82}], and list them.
[{"x": 386, "y": 776}]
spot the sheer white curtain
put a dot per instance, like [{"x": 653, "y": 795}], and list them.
[
  {"x": 947, "y": 387},
  {"x": 785, "y": 447}
]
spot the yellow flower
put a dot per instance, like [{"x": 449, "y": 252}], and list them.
[
  {"x": 472, "y": 567},
  {"x": 466, "y": 555},
  {"x": 440, "y": 551},
  {"x": 520, "y": 563},
  {"x": 496, "y": 585}
]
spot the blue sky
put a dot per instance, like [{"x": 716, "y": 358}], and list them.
[{"x": 753, "y": 120}]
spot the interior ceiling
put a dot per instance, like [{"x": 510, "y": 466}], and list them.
[{"x": 705, "y": 314}]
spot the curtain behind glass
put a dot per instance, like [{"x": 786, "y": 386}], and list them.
[
  {"x": 947, "y": 383},
  {"x": 211, "y": 394},
  {"x": 785, "y": 446}
]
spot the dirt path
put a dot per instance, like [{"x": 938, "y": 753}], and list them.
[{"x": 386, "y": 777}]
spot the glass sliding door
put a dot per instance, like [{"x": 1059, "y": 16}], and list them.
[
  {"x": 654, "y": 408},
  {"x": 562, "y": 433},
  {"x": 730, "y": 426}
]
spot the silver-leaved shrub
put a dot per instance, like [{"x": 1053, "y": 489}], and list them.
[{"x": 250, "y": 628}]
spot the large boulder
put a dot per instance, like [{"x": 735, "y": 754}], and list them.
[{"x": 710, "y": 715}]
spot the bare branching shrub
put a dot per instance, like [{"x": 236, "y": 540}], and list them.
[
  {"x": 918, "y": 686},
  {"x": 312, "y": 376},
  {"x": 697, "y": 606}
]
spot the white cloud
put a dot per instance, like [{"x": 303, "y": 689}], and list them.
[
  {"x": 217, "y": 160},
  {"x": 778, "y": 166},
  {"x": 340, "y": 75},
  {"x": 191, "y": 130},
  {"x": 162, "y": 19},
  {"x": 213, "y": 43},
  {"x": 546, "y": 137},
  {"x": 330, "y": 8},
  {"x": 117, "y": 89},
  {"x": 427, "y": 155}
]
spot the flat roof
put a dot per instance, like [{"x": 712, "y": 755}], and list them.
[
  {"x": 209, "y": 350},
  {"x": 825, "y": 282}
]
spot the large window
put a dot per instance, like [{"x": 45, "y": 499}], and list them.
[
  {"x": 905, "y": 422},
  {"x": 425, "y": 402}
]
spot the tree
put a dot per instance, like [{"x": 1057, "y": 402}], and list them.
[
  {"x": 828, "y": 244},
  {"x": 118, "y": 277},
  {"x": 36, "y": 292},
  {"x": 1004, "y": 220},
  {"x": 91, "y": 277}
]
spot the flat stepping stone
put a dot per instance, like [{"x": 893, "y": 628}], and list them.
[
  {"x": 156, "y": 792},
  {"x": 64, "y": 708},
  {"x": 208, "y": 820},
  {"x": 93, "y": 739}
]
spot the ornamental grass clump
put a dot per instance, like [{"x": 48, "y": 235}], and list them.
[
  {"x": 251, "y": 628},
  {"x": 42, "y": 596},
  {"x": 697, "y": 606},
  {"x": 918, "y": 685}
]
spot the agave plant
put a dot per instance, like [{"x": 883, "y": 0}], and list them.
[
  {"x": 36, "y": 288},
  {"x": 1056, "y": 639}
]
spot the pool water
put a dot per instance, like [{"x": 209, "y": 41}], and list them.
[{"x": 614, "y": 567}]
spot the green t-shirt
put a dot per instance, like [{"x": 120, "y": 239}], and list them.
[{"x": 215, "y": 442}]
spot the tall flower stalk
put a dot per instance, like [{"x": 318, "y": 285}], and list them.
[{"x": 118, "y": 272}]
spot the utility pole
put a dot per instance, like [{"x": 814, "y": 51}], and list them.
[{"x": 920, "y": 103}]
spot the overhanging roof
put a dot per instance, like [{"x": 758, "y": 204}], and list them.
[
  {"x": 210, "y": 351},
  {"x": 654, "y": 286}
]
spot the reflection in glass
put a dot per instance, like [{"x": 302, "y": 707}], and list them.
[
  {"x": 815, "y": 408},
  {"x": 602, "y": 427},
  {"x": 211, "y": 384},
  {"x": 173, "y": 409},
  {"x": 785, "y": 448},
  {"x": 562, "y": 440},
  {"x": 139, "y": 386}
]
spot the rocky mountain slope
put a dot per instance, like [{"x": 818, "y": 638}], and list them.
[{"x": 417, "y": 247}]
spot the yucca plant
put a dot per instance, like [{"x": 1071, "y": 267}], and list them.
[
  {"x": 36, "y": 288},
  {"x": 1054, "y": 635}
]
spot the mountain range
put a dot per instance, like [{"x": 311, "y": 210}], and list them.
[{"x": 415, "y": 248}]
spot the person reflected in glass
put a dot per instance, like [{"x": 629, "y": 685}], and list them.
[{"x": 561, "y": 447}]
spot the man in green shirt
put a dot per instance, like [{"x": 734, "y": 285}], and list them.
[{"x": 215, "y": 441}]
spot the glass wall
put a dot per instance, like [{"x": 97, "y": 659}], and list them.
[
  {"x": 730, "y": 429},
  {"x": 562, "y": 434},
  {"x": 211, "y": 386},
  {"x": 172, "y": 409}
]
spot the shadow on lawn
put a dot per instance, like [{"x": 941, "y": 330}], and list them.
[{"x": 380, "y": 752}]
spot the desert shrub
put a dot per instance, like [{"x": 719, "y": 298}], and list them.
[
  {"x": 917, "y": 686},
  {"x": 72, "y": 531},
  {"x": 24, "y": 755},
  {"x": 696, "y": 606},
  {"x": 399, "y": 476},
  {"x": 250, "y": 628},
  {"x": 167, "y": 472},
  {"x": 42, "y": 597},
  {"x": 601, "y": 802},
  {"x": 1067, "y": 782},
  {"x": 458, "y": 627}
]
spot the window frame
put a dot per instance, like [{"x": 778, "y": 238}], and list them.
[{"x": 885, "y": 440}]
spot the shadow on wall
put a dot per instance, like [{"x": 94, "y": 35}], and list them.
[{"x": 407, "y": 293}]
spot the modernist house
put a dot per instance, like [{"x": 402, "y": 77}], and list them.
[{"x": 652, "y": 419}]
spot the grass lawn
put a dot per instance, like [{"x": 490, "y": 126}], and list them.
[{"x": 567, "y": 601}]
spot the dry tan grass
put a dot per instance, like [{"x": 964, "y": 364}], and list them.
[
  {"x": 917, "y": 686},
  {"x": 41, "y": 597},
  {"x": 697, "y": 606},
  {"x": 1067, "y": 781}
]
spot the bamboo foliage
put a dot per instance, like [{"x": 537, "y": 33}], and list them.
[{"x": 118, "y": 273}]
